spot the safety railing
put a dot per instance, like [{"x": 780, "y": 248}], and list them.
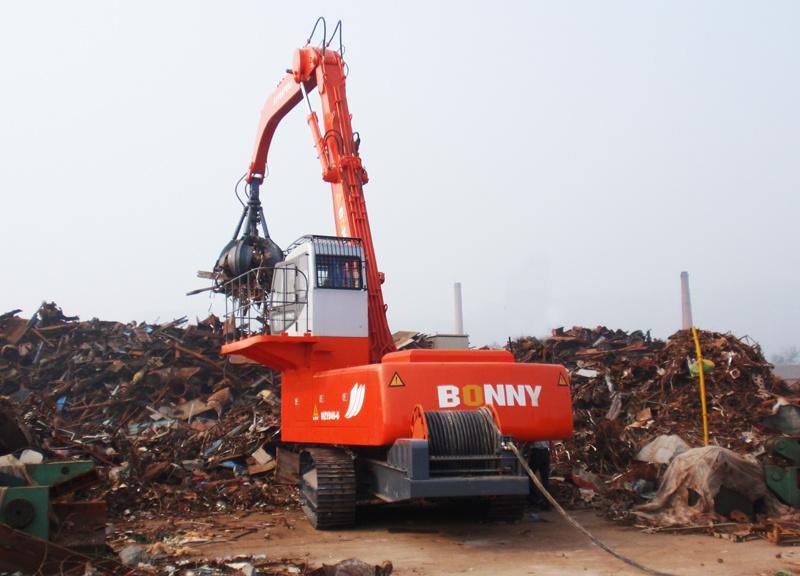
[{"x": 266, "y": 301}]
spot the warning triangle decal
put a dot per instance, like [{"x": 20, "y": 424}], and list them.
[
  {"x": 396, "y": 381},
  {"x": 561, "y": 380}
]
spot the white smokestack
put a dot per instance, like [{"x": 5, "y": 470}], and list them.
[
  {"x": 459, "y": 313},
  {"x": 686, "y": 302}
]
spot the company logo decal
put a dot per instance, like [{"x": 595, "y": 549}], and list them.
[
  {"x": 356, "y": 400},
  {"x": 451, "y": 396}
]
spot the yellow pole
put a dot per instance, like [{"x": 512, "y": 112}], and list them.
[{"x": 702, "y": 384}]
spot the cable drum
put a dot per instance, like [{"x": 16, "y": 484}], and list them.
[{"x": 461, "y": 432}]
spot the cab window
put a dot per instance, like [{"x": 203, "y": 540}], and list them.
[{"x": 339, "y": 272}]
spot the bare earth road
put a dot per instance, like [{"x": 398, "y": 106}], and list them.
[{"x": 419, "y": 541}]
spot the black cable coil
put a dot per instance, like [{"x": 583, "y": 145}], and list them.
[{"x": 461, "y": 432}]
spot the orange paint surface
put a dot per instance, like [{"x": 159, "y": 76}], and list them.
[{"x": 372, "y": 404}]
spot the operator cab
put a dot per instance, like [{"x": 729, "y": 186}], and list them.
[{"x": 320, "y": 288}]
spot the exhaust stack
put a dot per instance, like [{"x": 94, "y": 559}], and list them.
[
  {"x": 459, "y": 312},
  {"x": 686, "y": 302}
]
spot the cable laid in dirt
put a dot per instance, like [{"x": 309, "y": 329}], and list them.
[{"x": 574, "y": 522}]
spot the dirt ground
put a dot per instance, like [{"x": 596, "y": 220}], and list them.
[{"x": 436, "y": 543}]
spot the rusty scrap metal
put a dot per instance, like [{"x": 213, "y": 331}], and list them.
[
  {"x": 173, "y": 422},
  {"x": 629, "y": 388}
]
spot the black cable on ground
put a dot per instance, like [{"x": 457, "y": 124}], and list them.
[{"x": 575, "y": 523}]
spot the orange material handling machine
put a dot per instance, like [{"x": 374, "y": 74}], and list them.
[{"x": 365, "y": 420}]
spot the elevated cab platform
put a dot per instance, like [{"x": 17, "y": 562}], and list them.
[
  {"x": 305, "y": 353},
  {"x": 307, "y": 314}
]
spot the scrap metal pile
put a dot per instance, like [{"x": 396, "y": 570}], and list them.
[
  {"x": 174, "y": 426},
  {"x": 628, "y": 389}
]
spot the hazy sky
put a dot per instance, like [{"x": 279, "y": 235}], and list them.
[{"x": 563, "y": 160}]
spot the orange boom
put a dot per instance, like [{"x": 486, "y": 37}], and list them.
[{"x": 361, "y": 419}]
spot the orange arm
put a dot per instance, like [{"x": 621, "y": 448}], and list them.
[
  {"x": 285, "y": 97},
  {"x": 337, "y": 149}
]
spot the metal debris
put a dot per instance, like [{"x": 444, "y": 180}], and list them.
[
  {"x": 172, "y": 423},
  {"x": 628, "y": 389}
]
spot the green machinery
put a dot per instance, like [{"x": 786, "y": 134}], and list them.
[
  {"x": 38, "y": 499},
  {"x": 782, "y": 480}
]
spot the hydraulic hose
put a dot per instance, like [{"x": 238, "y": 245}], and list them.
[{"x": 573, "y": 522}]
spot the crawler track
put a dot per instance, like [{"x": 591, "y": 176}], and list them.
[
  {"x": 328, "y": 487},
  {"x": 505, "y": 508}
]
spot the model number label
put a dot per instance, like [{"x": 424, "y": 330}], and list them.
[
  {"x": 329, "y": 415},
  {"x": 451, "y": 396}
]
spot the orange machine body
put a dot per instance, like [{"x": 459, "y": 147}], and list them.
[{"x": 365, "y": 404}]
